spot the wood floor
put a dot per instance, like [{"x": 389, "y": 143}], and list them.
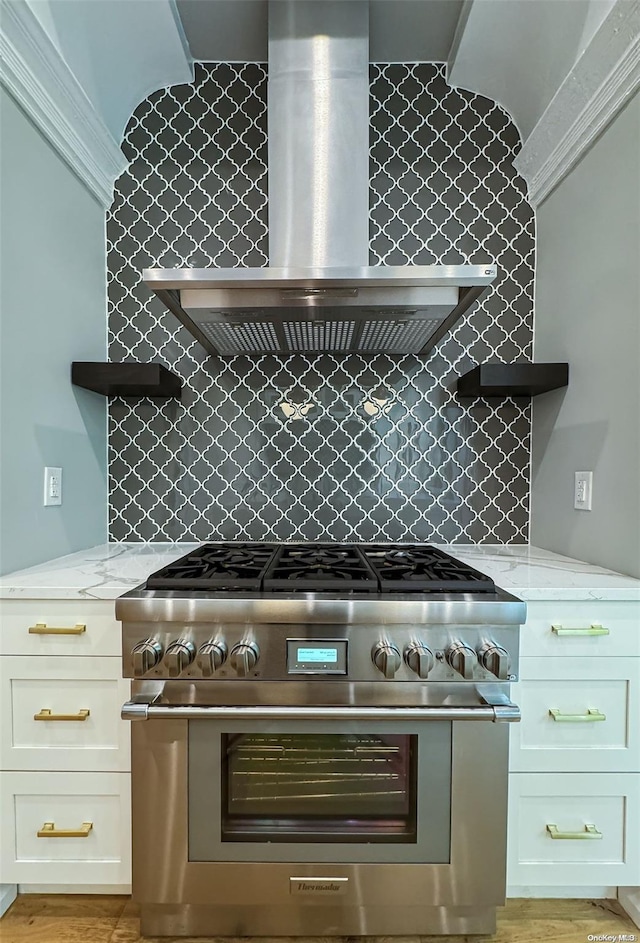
[{"x": 53, "y": 918}]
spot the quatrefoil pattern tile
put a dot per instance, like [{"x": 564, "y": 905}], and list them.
[{"x": 320, "y": 447}]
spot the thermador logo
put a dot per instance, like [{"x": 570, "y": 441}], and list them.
[
  {"x": 302, "y": 886},
  {"x": 318, "y": 885}
]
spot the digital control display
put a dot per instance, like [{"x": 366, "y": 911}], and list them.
[
  {"x": 326, "y": 657},
  {"x": 318, "y": 655}
]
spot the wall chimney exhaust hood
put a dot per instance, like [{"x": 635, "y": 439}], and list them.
[
  {"x": 400, "y": 309},
  {"x": 319, "y": 293}
]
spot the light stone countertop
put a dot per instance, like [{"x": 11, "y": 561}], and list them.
[{"x": 107, "y": 571}]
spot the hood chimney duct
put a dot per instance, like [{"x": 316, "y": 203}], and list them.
[{"x": 318, "y": 134}]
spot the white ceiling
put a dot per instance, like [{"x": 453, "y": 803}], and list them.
[{"x": 400, "y": 30}]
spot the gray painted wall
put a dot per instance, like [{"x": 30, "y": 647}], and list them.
[
  {"x": 519, "y": 53},
  {"x": 118, "y": 51},
  {"x": 52, "y": 311},
  {"x": 588, "y": 312}
]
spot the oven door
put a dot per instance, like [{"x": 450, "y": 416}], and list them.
[
  {"x": 364, "y": 820},
  {"x": 306, "y": 791}
]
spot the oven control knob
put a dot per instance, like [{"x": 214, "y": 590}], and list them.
[
  {"x": 211, "y": 656},
  {"x": 462, "y": 659},
  {"x": 495, "y": 659},
  {"x": 420, "y": 659},
  {"x": 145, "y": 656},
  {"x": 244, "y": 657},
  {"x": 179, "y": 656},
  {"x": 386, "y": 658}
]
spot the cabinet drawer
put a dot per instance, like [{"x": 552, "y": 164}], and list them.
[
  {"x": 101, "y": 635},
  {"x": 571, "y": 802},
  {"x": 621, "y": 619},
  {"x": 31, "y": 801},
  {"x": 89, "y": 689},
  {"x": 596, "y": 705}
]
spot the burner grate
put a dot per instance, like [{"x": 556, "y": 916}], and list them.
[
  {"x": 216, "y": 567},
  {"x": 423, "y": 569},
  {"x": 320, "y": 567}
]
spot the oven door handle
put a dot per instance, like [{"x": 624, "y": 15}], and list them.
[{"x": 504, "y": 712}]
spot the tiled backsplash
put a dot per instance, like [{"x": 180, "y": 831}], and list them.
[{"x": 320, "y": 447}]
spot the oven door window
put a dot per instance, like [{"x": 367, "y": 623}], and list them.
[
  {"x": 305, "y": 792},
  {"x": 294, "y": 787}
]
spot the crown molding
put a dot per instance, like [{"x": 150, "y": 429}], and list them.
[
  {"x": 36, "y": 75},
  {"x": 602, "y": 80}
]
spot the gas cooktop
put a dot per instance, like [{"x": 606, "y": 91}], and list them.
[
  {"x": 356, "y": 612},
  {"x": 319, "y": 567}
]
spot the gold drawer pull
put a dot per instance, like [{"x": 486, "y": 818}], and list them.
[
  {"x": 49, "y": 830},
  {"x": 590, "y": 717},
  {"x": 590, "y": 831},
  {"x": 587, "y": 630},
  {"x": 45, "y": 714},
  {"x": 41, "y": 628}
]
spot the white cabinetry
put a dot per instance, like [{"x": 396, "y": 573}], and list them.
[
  {"x": 574, "y": 804},
  {"x": 65, "y": 753},
  {"x": 578, "y": 715}
]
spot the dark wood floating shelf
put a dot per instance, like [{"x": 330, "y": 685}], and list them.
[
  {"x": 513, "y": 379},
  {"x": 126, "y": 379}
]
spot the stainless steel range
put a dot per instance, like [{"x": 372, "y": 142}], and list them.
[{"x": 324, "y": 745}]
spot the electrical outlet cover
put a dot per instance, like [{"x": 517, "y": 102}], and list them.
[
  {"x": 582, "y": 490},
  {"x": 52, "y": 486}
]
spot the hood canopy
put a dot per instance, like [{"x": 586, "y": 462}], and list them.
[{"x": 319, "y": 293}]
